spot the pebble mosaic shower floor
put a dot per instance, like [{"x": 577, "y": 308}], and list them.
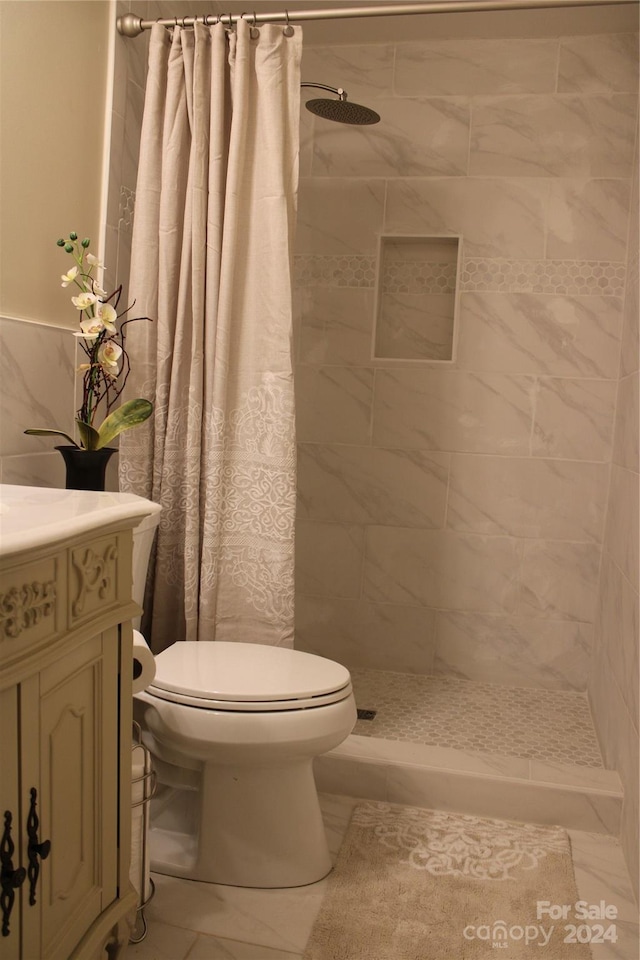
[{"x": 525, "y": 722}]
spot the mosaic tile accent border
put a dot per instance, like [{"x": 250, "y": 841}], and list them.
[
  {"x": 127, "y": 205},
  {"x": 570, "y": 277},
  {"x": 418, "y": 276},
  {"x": 328, "y": 271},
  {"x": 602, "y": 278},
  {"x": 524, "y": 722}
]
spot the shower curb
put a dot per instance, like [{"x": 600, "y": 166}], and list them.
[{"x": 575, "y": 797}]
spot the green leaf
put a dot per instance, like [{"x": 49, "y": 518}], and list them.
[
  {"x": 130, "y": 414},
  {"x": 36, "y": 432},
  {"x": 89, "y": 435}
]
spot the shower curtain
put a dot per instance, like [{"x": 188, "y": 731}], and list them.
[{"x": 211, "y": 266}]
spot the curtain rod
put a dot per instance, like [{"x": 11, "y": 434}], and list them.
[{"x": 130, "y": 25}]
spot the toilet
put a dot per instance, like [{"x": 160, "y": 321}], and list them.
[{"x": 233, "y": 729}]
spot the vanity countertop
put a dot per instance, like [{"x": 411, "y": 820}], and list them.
[{"x": 32, "y": 517}]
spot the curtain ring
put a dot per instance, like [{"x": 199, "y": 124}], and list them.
[
  {"x": 288, "y": 30},
  {"x": 254, "y": 33}
]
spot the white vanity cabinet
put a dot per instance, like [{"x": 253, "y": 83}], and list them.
[{"x": 65, "y": 724}]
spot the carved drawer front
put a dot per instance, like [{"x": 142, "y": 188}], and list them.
[
  {"x": 32, "y": 607},
  {"x": 93, "y": 578}
]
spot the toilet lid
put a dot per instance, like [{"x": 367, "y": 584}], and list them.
[{"x": 247, "y": 676}]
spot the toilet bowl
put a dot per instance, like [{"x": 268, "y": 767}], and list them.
[{"x": 233, "y": 729}]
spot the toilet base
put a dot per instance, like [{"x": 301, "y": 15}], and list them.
[{"x": 258, "y": 826}]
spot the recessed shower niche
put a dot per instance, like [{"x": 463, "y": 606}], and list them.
[{"x": 416, "y": 303}]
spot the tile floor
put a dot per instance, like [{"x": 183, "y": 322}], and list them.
[
  {"x": 527, "y": 722},
  {"x": 189, "y": 920}
]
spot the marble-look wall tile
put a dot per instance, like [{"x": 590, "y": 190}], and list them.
[
  {"x": 336, "y": 325},
  {"x": 525, "y": 333},
  {"x": 558, "y": 580},
  {"x": 441, "y": 569},
  {"x": 618, "y": 621},
  {"x": 574, "y": 419},
  {"x": 33, "y": 470},
  {"x": 381, "y": 636},
  {"x": 630, "y": 353},
  {"x": 364, "y": 71},
  {"x": 455, "y": 67},
  {"x": 625, "y": 443},
  {"x": 607, "y": 63},
  {"x": 37, "y": 369},
  {"x": 617, "y": 731},
  {"x": 566, "y": 136},
  {"x": 553, "y": 654},
  {"x": 623, "y": 522},
  {"x": 371, "y": 485},
  {"x": 453, "y": 410},
  {"x": 497, "y": 218},
  {"x": 551, "y": 499},
  {"x": 329, "y": 559},
  {"x": 566, "y": 278},
  {"x": 333, "y": 404},
  {"x": 422, "y": 138},
  {"x": 415, "y": 326},
  {"x": 306, "y": 143},
  {"x": 630, "y": 346},
  {"x": 326, "y": 221},
  {"x": 588, "y": 219}
]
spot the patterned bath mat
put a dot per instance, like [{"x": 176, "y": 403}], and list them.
[{"x": 413, "y": 884}]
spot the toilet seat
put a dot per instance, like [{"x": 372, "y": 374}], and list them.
[{"x": 243, "y": 677}]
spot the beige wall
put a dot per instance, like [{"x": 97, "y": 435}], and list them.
[
  {"x": 53, "y": 89},
  {"x": 53, "y": 82}
]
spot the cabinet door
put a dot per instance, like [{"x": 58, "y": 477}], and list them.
[
  {"x": 10, "y": 803},
  {"x": 77, "y": 736}
]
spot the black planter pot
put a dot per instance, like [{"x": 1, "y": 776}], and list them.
[{"x": 85, "y": 468}]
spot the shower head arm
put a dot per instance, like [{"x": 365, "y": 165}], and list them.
[{"x": 323, "y": 86}]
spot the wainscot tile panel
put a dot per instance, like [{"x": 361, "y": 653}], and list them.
[
  {"x": 336, "y": 325},
  {"x": 587, "y": 219},
  {"x": 365, "y": 71},
  {"x": 372, "y": 485},
  {"x": 334, "y": 404},
  {"x": 553, "y": 654},
  {"x": 441, "y": 569},
  {"x": 472, "y": 67},
  {"x": 522, "y": 333},
  {"x": 497, "y": 217},
  {"x": 423, "y": 138},
  {"x": 599, "y": 64},
  {"x": 574, "y": 419},
  {"x": 327, "y": 222},
  {"x": 553, "y": 136},
  {"x": 453, "y": 410},
  {"x": 383, "y": 636},
  {"x": 558, "y": 580},
  {"x": 329, "y": 558},
  {"x": 555, "y": 499}
]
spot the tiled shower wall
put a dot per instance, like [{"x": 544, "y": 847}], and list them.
[
  {"x": 451, "y": 515},
  {"x": 613, "y": 684}
]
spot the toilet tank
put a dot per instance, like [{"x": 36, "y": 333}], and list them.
[{"x": 143, "y": 536}]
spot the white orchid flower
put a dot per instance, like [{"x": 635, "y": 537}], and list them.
[
  {"x": 84, "y": 300},
  {"x": 106, "y": 313},
  {"x": 97, "y": 289},
  {"x": 90, "y": 328},
  {"x": 108, "y": 356},
  {"x": 68, "y": 278},
  {"x": 93, "y": 260}
]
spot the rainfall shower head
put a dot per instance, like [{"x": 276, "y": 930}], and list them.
[{"x": 340, "y": 110}]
